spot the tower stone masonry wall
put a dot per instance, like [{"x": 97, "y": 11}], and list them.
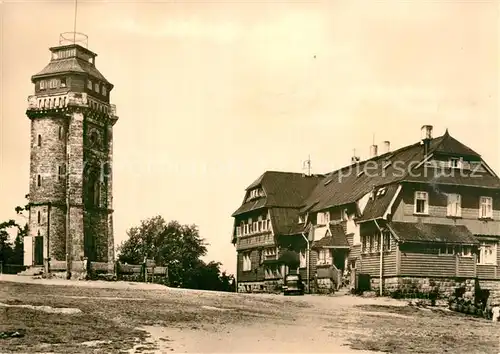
[{"x": 64, "y": 163}]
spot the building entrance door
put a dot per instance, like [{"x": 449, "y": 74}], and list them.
[{"x": 38, "y": 250}]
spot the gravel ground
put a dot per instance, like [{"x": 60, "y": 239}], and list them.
[{"x": 121, "y": 317}]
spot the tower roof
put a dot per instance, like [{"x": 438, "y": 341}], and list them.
[{"x": 72, "y": 58}]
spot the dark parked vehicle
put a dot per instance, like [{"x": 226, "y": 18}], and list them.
[{"x": 293, "y": 285}]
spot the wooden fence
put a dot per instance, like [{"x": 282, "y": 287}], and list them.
[{"x": 146, "y": 272}]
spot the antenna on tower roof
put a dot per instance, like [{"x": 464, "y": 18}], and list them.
[
  {"x": 74, "y": 37},
  {"x": 74, "y": 22}
]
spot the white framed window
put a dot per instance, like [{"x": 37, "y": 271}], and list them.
[
  {"x": 487, "y": 253},
  {"x": 376, "y": 243},
  {"x": 466, "y": 251},
  {"x": 238, "y": 230},
  {"x": 103, "y": 90},
  {"x": 42, "y": 85},
  {"x": 96, "y": 87},
  {"x": 447, "y": 250},
  {"x": 455, "y": 162},
  {"x": 323, "y": 218},
  {"x": 89, "y": 84},
  {"x": 270, "y": 253},
  {"x": 421, "y": 205},
  {"x": 247, "y": 262},
  {"x": 63, "y": 82},
  {"x": 485, "y": 207},
  {"x": 53, "y": 83},
  {"x": 387, "y": 241},
  {"x": 454, "y": 206},
  {"x": 301, "y": 219},
  {"x": 303, "y": 259},
  {"x": 365, "y": 244},
  {"x": 324, "y": 256}
]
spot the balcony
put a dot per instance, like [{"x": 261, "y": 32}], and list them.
[{"x": 69, "y": 99}]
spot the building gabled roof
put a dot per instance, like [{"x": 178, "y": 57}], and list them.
[
  {"x": 377, "y": 206},
  {"x": 432, "y": 233},
  {"x": 451, "y": 146},
  {"x": 351, "y": 183},
  {"x": 285, "y": 221},
  {"x": 449, "y": 176},
  {"x": 335, "y": 238},
  {"x": 282, "y": 190},
  {"x": 72, "y": 64}
]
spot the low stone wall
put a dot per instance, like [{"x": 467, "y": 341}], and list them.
[
  {"x": 265, "y": 286},
  {"x": 494, "y": 287},
  {"x": 443, "y": 287},
  {"x": 324, "y": 286}
]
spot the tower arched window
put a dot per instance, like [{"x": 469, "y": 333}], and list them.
[
  {"x": 39, "y": 180},
  {"x": 95, "y": 192},
  {"x": 39, "y": 140}
]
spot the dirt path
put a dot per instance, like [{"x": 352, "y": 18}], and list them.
[{"x": 264, "y": 338}]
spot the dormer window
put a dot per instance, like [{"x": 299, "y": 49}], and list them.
[
  {"x": 323, "y": 218},
  {"x": 421, "y": 203},
  {"x": 381, "y": 191},
  {"x": 455, "y": 162},
  {"x": 254, "y": 193},
  {"x": 485, "y": 207}
]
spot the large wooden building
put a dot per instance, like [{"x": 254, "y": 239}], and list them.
[{"x": 427, "y": 213}]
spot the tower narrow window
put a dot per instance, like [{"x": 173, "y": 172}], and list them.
[
  {"x": 39, "y": 180},
  {"x": 59, "y": 173},
  {"x": 60, "y": 133},
  {"x": 39, "y": 217},
  {"x": 39, "y": 140},
  {"x": 97, "y": 193}
]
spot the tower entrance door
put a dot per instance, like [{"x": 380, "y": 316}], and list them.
[{"x": 38, "y": 250}]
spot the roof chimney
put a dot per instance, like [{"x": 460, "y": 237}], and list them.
[
  {"x": 387, "y": 146},
  {"x": 354, "y": 158},
  {"x": 426, "y": 132},
  {"x": 373, "y": 150}
]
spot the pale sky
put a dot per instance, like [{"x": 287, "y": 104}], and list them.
[{"x": 212, "y": 94}]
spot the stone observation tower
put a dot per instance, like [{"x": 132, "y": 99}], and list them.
[{"x": 70, "y": 192}]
